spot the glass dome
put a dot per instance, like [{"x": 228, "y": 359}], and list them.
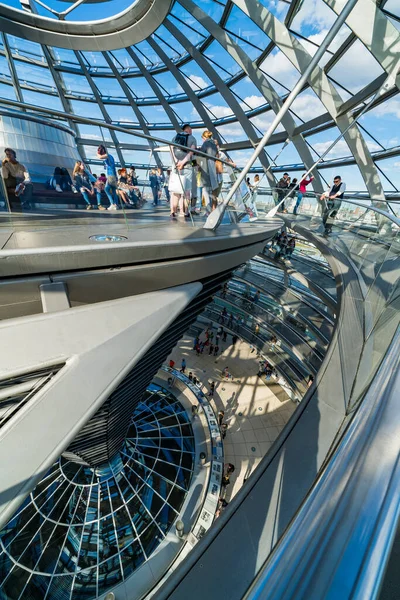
[
  {"x": 215, "y": 65},
  {"x": 82, "y": 531}
]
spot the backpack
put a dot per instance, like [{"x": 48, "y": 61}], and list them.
[{"x": 182, "y": 139}]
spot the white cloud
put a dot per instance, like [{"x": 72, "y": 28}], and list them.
[
  {"x": 218, "y": 112},
  {"x": 280, "y": 67},
  {"x": 341, "y": 149},
  {"x": 253, "y": 101},
  {"x": 388, "y": 108},
  {"x": 307, "y": 106},
  {"x": 197, "y": 82}
]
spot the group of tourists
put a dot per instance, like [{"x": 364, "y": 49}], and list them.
[
  {"x": 283, "y": 245},
  {"x": 195, "y": 178},
  {"x": 288, "y": 188}
]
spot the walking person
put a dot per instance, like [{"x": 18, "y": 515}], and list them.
[
  {"x": 155, "y": 186},
  {"x": 17, "y": 179},
  {"x": 211, "y": 350},
  {"x": 332, "y": 199},
  {"x": 221, "y": 415},
  {"x": 234, "y": 340},
  {"x": 224, "y": 336},
  {"x": 302, "y": 190},
  {"x": 216, "y": 350},
  {"x": 112, "y": 181},
  {"x": 212, "y": 389},
  {"x": 181, "y": 186},
  {"x": 183, "y": 366}
]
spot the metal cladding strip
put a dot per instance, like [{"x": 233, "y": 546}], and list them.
[
  {"x": 376, "y": 32},
  {"x": 104, "y": 434},
  {"x": 130, "y": 26},
  {"x": 258, "y": 78},
  {"x": 156, "y": 89},
  {"x": 293, "y": 49},
  {"x": 99, "y": 344}
]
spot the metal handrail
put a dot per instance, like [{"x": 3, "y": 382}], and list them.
[{"x": 389, "y": 216}]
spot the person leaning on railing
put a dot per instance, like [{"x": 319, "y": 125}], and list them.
[
  {"x": 16, "y": 178},
  {"x": 332, "y": 199}
]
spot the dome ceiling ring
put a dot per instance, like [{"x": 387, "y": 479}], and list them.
[{"x": 131, "y": 26}]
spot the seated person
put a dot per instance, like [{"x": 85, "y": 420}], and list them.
[
  {"x": 123, "y": 187},
  {"x": 99, "y": 186},
  {"x": 66, "y": 181},
  {"x": 82, "y": 183},
  {"x": 16, "y": 178},
  {"x": 61, "y": 180}
]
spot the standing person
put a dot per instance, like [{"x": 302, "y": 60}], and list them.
[
  {"x": 208, "y": 172},
  {"x": 302, "y": 190},
  {"x": 224, "y": 336},
  {"x": 221, "y": 415},
  {"x": 256, "y": 297},
  {"x": 226, "y": 373},
  {"x": 293, "y": 187},
  {"x": 212, "y": 389},
  {"x": 230, "y": 321},
  {"x": 161, "y": 182},
  {"x": 166, "y": 184},
  {"x": 171, "y": 364},
  {"x": 183, "y": 366},
  {"x": 333, "y": 199},
  {"x": 195, "y": 410},
  {"x": 282, "y": 186},
  {"x": 155, "y": 186},
  {"x": 190, "y": 376},
  {"x": 112, "y": 182},
  {"x": 211, "y": 350},
  {"x": 290, "y": 247},
  {"x": 224, "y": 428},
  {"x": 216, "y": 350},
  {"x": 234, "y": 340},
  {"x": 82, "y": 183},
  {"x": 182, "y": 160},
  {"x": 16, "y": 178}
]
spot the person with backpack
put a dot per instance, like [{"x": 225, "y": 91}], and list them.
[{"x": 181, "y": 179}]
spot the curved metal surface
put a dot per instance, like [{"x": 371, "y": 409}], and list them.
[
  {"x": 131, "y": 26},
  {"x": 265, "y": 507},
  {"x": 340, "y": 540}
]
